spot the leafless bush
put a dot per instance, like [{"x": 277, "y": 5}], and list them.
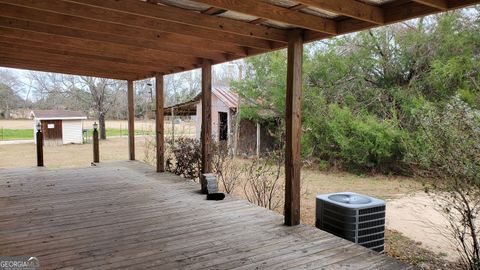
[
  {"x": 227, "y": 168},
  {"x": 264, "y": 183},
  {"x": 454, "y": 133},
  {"x": 186, "y": 160},
  {"x": 150, "y": 156}
]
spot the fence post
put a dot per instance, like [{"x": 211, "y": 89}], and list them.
[
  {"x": 39, "y": 138},
  {"x": 96, "y": 150}
]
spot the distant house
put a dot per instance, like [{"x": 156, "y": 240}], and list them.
[
  {"x": 225, "y": 105},
  {"x": 59, "y": 127}
]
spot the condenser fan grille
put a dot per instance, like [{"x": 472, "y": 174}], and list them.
[{"x": 355, "y": 217}]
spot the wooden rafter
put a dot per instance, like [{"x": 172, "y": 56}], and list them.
[
  {"x": 180, "y": 18},
  {"x": 22, "y": 53},
  {"x": 349, "y": 8},
  {"x": 276, "y": 13},
  {"x": 393, "y": 12},
  {"x": 108, "y": 38},
  {"x": 438, "y": 4},
  {"x": 134, "y": 39},
  {"x": 213, "y": 11},
  {"x": 51, "y": 66},
  {"x": 162, "y": 40},
  {"x": 12, "y": 44},
  {"x": 42, "y": 40}
]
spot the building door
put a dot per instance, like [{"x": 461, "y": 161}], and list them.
[
  {"x": 52, "y": 131},
  {"x": 222, "y": 126}
]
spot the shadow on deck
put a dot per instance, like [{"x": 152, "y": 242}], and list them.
[{"x": 123, "y": 215}]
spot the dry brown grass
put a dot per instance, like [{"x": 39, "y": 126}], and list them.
[{"x": 24, "y": 155}]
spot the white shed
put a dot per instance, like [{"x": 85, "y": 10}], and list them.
[{"x": 59, "y": 126}]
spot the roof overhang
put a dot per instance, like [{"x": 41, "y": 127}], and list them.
[
  {"x": 135, "y": 39},
  {"x": 61, "y": 118}
]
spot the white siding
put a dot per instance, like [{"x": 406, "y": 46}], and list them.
[{"x": 72, "y": 131}]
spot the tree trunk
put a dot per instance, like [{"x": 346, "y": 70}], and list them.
[{"x": 101, "y": 123}]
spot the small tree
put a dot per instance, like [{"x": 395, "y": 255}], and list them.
[
  {"x": 453, "y": 133},
  {"x": 102, "y": 96}
]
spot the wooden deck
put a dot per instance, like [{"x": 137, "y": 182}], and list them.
[{"x": 122, "y": 215}]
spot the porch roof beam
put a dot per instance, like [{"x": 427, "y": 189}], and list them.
[
  {"x": 190, "y": 18},
  {"x": 276, "y": 13},
  {"x": 75, "y": 26},
  {"x": 56, "y": 67},
  {"x": 46, "y": 40},
  {"x": 122, "y": 23},
  {"x": 438, "y": 4},
  {"x": 350, "y": 8},
  {"x": 23, "y": 52},
  {"x": 9, "y": 45}
]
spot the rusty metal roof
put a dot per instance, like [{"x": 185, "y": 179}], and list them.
[{"x": 225, "y": 95}]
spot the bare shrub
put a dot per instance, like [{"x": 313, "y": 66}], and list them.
[
  {"x": 150, "y": 156},
  {"x": 186, "y": 158},
  {"x": 226, "y": 167},
  {"x": 454, "y": 134},
  {"x": 264, "y": 183}
]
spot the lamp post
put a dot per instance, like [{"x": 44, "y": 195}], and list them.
[
  {"x": 39, "y": 139},
  {"x": 96, "y": 151}
]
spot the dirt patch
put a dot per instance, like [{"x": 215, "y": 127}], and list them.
[
  {"x": 405, "y": 249},
  {"x": 417, "y": 218}
]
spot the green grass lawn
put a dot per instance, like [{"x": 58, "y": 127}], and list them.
[
  {"x": 16, "y": 134},
  {"x": 27, "y": 134},
  {"x": 124, "y": 132}
]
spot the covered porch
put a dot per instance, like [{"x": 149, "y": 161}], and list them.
[{"x": 124, "y": 215}]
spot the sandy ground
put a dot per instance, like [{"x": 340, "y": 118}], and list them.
[
  {"x": 386, "y": 188},
  {"x": 417, "y": 218}
]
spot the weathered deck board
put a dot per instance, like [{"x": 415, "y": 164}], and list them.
[{"x": 122, "y": 215}]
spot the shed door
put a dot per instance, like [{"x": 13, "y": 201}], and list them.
[
  {"x": 52, "y": 129},
  {"x": 222, "y": 126}
]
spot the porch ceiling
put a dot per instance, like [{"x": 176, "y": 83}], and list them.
[{"x": 134, "y": 39}]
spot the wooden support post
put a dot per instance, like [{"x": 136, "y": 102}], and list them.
[
  {"x": 39, "y": 139},
  {"x": 159, "y": 123},
  {"x": 131, "y": 121},
  {"x": 96, "y": 150},
  {"x": 173, "y": 128},
  {"x": 206, "y": 135},
  {"x": 258, "y": 140},
  {"x": 293, "y": 128}
]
